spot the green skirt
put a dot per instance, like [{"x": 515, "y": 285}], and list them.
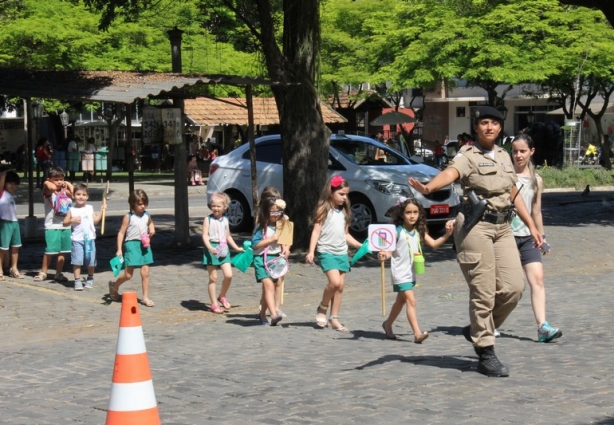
[
  {"x": 212, "y": 260},
  {"x": 333, "y": 262},
  {"x": 137, "y": 256},
  {"x": 260, "y": 270}
]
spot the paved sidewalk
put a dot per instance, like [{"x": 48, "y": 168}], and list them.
[{"x": 59, "y": 345}]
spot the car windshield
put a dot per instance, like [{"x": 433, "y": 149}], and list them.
[{"x": 364, "y": 153}]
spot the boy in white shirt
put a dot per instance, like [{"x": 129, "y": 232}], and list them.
[{"x": 82, "y": 218}]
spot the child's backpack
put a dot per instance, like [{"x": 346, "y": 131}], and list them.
[{"x": 62, "y": 203}]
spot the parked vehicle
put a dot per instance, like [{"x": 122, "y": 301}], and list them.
[
  {"x": 451, "y": 148},
  {"x": 375, "y": 185},
  {"x": 595, "y": 159}
]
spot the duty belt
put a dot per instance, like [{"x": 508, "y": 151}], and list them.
[{"x": 497, "y": 217}]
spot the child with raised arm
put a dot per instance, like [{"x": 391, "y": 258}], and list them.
[
  {"x": 82, "y": 218},
  {"x": 10, "y": 235},
  {"x": 137, "y": 229},
  {"x": 330, "y": 237},
  {"x": 217, "y": 238},
  {"x": 531, "y": 186},
  {"x": 265, "y": 246},
  {"x": 410, "y": 219},
  {"x": 57, "y": 235}
]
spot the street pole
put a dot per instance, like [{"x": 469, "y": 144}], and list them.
[
  {"x": 182, "y": 216},
  {"x": 30, "y": 221}
]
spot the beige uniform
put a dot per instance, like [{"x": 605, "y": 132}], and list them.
[{"x": 487, "y": 253}]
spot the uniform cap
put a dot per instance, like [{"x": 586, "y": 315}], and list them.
[{"x": 488, "y": 112}]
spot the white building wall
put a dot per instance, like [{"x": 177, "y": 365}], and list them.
[{"x": 517, "y": 102}]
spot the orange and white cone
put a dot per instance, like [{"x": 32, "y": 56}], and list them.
[{"x": 133, "y": 400}]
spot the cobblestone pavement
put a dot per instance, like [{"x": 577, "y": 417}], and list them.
[{"x": 58, "y": 345}]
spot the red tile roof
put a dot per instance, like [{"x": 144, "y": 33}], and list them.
[
  {"x": 354, "y": 99},
  {"x": 233, "y": 111}
]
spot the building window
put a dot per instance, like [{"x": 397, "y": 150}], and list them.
[
  {"x": 360, "y": 119},
  {"x": 460, "y": 112}
]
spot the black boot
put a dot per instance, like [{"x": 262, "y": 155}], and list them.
[{"x": 489, "y": 364}]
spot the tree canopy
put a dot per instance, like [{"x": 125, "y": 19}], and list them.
[
  {"x": 287, "y": 35},
  {"x": 56, "y": 34}
]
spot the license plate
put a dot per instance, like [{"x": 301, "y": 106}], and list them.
[{"x": 440, "y": 209}]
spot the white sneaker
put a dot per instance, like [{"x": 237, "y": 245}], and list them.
[{"x": 497, "y": 334}]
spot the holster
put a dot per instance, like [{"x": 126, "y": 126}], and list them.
[{"x": 473, "y": 210}]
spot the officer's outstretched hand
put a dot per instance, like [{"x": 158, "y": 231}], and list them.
[{"x": 418, "y": 186}]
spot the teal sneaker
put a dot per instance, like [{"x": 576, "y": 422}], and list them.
[{"x": 547, "y": 333}]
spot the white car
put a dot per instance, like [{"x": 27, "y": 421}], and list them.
[{"x": 375, "y": 185}]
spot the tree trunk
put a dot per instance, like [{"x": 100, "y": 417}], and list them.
[
  {"x": 304, "y": 135},
  {"x": 305, "y": 157},
  {"x": 605, "y": 152},
  {"x": 182, "y": 216}
]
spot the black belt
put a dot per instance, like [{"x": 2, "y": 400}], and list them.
[{"x": 497, "y": 217}]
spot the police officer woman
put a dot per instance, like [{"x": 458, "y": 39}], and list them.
[{"x": 486, "y": 250}]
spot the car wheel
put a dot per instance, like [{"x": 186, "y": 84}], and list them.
[
  {"x": 238, "y": 213},
  {"x": 363, "y": 215}
]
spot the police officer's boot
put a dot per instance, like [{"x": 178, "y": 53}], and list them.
[{"x": 489, "y": 364}]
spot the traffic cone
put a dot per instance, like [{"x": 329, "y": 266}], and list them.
[{"x": 133, "y": 400}]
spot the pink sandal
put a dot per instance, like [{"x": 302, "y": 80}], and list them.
[
  {"x": 224, "y": 302},
  {"x": 216, "y": 309}
]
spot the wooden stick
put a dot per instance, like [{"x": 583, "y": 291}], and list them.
[
  {"x": 104, "y": 211},
  {"x": 383, "y": 288}
]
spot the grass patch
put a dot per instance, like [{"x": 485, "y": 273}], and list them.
[{"x": 571, "y": 177}]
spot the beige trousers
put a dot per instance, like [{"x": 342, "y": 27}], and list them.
[{"x": 490, "y": 262}]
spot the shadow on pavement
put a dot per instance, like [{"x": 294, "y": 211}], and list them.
[
  {"x": 520, "y": 338},
  {"x": 448, "y": 330},
  {"x": 369, "y": 334},
  {"x": 311, "y": 325},
  {"x": 458, "y": 331},
  {"x": 245, "y": 321},
  {"x": 106, "y": 300},
  {"x": 194, "y": 305},
  {"x": 462, "y": 364}
]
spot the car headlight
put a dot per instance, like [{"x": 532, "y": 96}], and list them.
[{"x": 390, "y": 188}]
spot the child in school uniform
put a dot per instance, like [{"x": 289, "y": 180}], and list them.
[
  {"x": 82, "y": 218},
  {"x": 57, "y": 235},
  {"x": 135, "y": 235},
  {"x": 10, "y": 235},
  {"x": 217, "y": 239},
  {"x": 410, "y": 219}
]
